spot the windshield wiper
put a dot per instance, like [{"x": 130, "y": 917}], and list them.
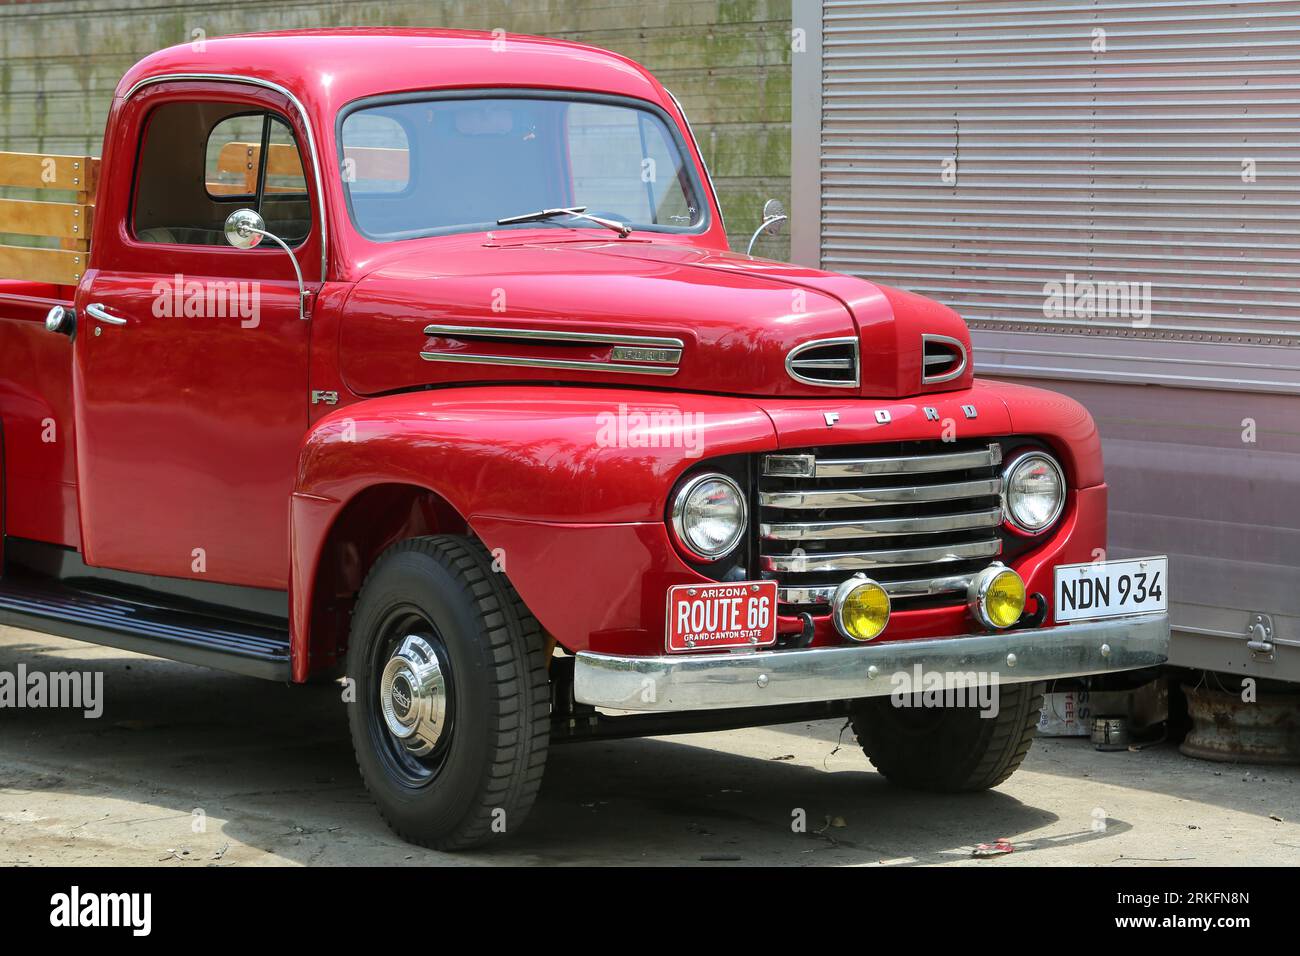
[{"x": 578, "y": 212}]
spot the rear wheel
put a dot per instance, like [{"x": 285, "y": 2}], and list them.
[
  {"x": 949, "y": 749},
  {"x": 451, "y": 717}
]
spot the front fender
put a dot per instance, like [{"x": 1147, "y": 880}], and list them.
[
  {"x": 560, "y": 454},
  {"x": 512, "y": 457}
]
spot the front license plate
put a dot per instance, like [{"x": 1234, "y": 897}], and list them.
[
  {"x": 1112, "y": 588},
  {"x": 715, "y": 616}
]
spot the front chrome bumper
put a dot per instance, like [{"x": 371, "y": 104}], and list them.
[{"x": 759, "y": 678}]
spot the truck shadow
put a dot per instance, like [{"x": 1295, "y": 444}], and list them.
[{"x": 271, "y": 769}]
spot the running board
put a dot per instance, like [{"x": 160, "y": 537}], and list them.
[{"x": 146, "y": 626}]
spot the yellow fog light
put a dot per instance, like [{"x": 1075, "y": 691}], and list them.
[
  {"x": 861, "y": 608},
  {"x": 997, "y": 596}
]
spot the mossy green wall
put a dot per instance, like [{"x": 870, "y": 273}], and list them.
[{"x": 728, "y": 61}]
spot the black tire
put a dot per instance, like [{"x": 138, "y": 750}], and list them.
[
  {"x": 953, "y": 749},
  {"x": 483, "y": 774}
]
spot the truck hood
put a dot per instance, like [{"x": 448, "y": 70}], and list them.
[{"x": 643, "y": 313}]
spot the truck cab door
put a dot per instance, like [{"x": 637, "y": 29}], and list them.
[{"x": 191, "y": 359}]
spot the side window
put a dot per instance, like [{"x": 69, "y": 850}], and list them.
[{"x": 201, "y": 161}]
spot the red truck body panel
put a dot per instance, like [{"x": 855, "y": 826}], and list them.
[{"x": 198, "y": 455}]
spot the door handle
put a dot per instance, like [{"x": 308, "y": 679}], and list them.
[{"x": 96, "y": 310}]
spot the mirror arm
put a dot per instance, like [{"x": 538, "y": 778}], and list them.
[
  {"x": 766, "y": 224},
  {"x": 302, "y": 288}
]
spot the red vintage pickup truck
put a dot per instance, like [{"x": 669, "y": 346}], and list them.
[{"x": 418, "y": 360}]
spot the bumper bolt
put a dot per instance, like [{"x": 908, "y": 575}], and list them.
[
  {"x": 1011, "y": 660},
  {"x": 762, "y": 680},
  {"x": 873, "y": 672},
  {"x": 1105, "y": 650}
]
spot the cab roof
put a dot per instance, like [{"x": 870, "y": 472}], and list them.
[{"x": 327, "y": 69}]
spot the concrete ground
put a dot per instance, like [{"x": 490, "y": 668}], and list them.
[{"x": 270, "y": 768}]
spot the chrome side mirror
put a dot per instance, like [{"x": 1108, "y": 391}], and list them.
[
  {"x": 773, "y": 216},
  {"x": 245, "y": 229}
]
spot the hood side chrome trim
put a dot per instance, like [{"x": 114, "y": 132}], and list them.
[{"x": 665, "y": 353}]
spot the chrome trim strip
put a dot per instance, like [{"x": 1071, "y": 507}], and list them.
[
  {"x": 306, "y": 124},
  {"x": 552, "y": 335},
  {"x": 682, "y": 682},
  {"x": 851, "y": 341},
  {"x": 862, "y": 497},
  {"x": 919, "y": 587},
  {"x": 989, "y": 457},
  {"x": 946, "y": 376},
  {"x": 865, "y": 560},
  {"x": 667, "y": 365},
  {"x": 574, "y": 366},
  {"x": 873, "y": 527}
]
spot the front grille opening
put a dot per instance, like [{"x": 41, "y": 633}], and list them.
[
  {"x": 944, "y": 527},
  {"x": 833, "y": 362},
  {"x": 944, "y": 359}
]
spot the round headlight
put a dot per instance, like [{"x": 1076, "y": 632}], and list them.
[
  {"x": 1033, "y": 488},
  {"x": 997, "y": 596},
  {"x": 861, "y": 609},
  {"x": 709, "y": 516}
]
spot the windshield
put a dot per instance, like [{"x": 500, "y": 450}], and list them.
[{"x": 423, "y": 167}]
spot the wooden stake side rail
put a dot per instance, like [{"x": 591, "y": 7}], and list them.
[{"x": 67, "y": 222}]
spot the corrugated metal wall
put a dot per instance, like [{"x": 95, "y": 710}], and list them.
[
  {"x": 1006, "y": 157},
  {"x": 727, "y": 60},
  {"x": 978, "y": 151}
]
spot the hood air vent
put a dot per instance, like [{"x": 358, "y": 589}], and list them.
[
  {"x": 829, "y": 362},
  {"x": 944, "y": 357}
]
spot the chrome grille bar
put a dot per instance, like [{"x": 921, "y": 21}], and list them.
[
  {"x": 860, "y": 497},
  {"x": 864, "y": 560},
  {"x": 874, "y": 527},
  {"x": 919, "y": 587},
  {"x": 807, "y": 466}
]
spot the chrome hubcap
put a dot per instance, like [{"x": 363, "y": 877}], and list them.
[{"x": 413, "y": 696}]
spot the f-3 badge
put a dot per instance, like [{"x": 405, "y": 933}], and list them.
[{"x": 931, "y": 414}]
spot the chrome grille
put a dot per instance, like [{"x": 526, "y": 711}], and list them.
[{"x": 919, "y": 517}]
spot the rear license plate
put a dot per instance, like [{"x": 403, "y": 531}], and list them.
[
  {"x": 1111, "y": 588},
  {"x": 715, "y": 616}
]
